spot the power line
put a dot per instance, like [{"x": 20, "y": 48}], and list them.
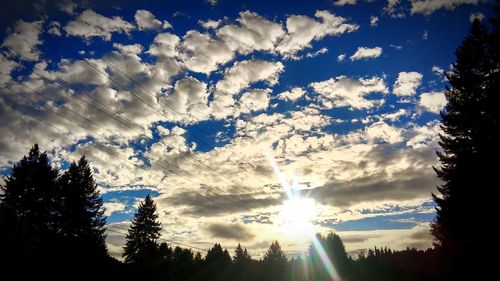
[
  {"x": 139, "y": 132},
  {"x": 111, "y": 153},
  {"x": 159, "y": 238},
  {"x": 83, "y": 117},
  {"x": 135, "y": 82}
]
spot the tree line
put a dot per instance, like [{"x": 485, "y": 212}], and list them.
[{"x": 52, "y": 223}]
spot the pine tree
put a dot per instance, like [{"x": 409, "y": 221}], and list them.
[
  {"x": 82, "y": 219},
  {"x": 274, "y": 263},
  {"x": 29, "y": 208},
  {"x": 241, "y": 255},
  {"x": 469, "y": 147},
  {"x": 141, "y": 241}
]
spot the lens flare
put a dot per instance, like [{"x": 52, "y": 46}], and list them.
[{"x": 296, "y": 216}]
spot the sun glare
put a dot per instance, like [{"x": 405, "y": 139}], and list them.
[{"x": 295, "y": 217}]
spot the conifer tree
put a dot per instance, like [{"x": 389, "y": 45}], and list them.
[
  {"x": 29, "y": 208},
  {"x": 141, "y": 241},
  {"x": 469, "y": 147},
  {"x": 274, "y": 263},
  {"x": 82, "y": 218}
]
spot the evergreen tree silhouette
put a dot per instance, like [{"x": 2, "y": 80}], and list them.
[
  {"x": 274, "y": 263},
  {"x": 335, "y": 249},
  {"x": 82, "y": 219},
  {"x": 217, "y": 263},
  {"x": 469, "y": 146},
  {"x": 29, "y": 208},
  {"x": 141, "y": 244}
]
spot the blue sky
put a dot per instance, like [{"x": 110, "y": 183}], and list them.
[{"x": 194, "y": 101}]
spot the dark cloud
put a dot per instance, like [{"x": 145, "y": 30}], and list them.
[
  {"x": 211, "y": 204},
  {"x": 403, "y": 185},
  {"x": 416, "y": 181},
  {"x": 234, "y": 231}
]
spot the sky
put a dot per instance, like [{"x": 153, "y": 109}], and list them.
[{"x": 247, "y": 121}]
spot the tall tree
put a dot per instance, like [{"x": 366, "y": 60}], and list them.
[
  {"x": 274, "y": 263},
  {"x": 29, "y": 208},
  {"x": 82, "y": 219},
  {"x": 141, "y": 241},
  {"x": 469, "y": 147}
]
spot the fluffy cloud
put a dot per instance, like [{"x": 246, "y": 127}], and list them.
[
  {"x": 432, "y": 101},
  {"x": 254, "y": 33},
  {"x": 203, "y": 54},
  {"x": 146, "y": 20},
  {"x": 244, "y": 73},
  {"x": 428, "y": 7},
  {"x": 345, "y": 91},
  {"x": 366, "y": 53},
  {"x": 373, "y": 21},
  {"x": 341, "y": 57},
  {"x": 91, "y": 24},
  {"x": 292, "y": 95},
  {"x": 302, "y": 30},
  {"x": 112, "y": 207},
  {"x": 407, "y": 83},
  {"x": 189, "y": 99},
  {"x": 210, "y": 24},
  {"x": 24, "y": 39},
  {"x": 255, "y": 100}
]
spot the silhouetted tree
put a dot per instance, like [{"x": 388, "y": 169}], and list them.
[
  {"x": 141, "y": 244},
  {"x": 274, "y": 263},
  {"x": 335, "y": 249},
  {"x": 242, "y": 263},
  {"x": 82, "y": 218},
  {"x": 217, "y": 263},
  {"x": 29, "y": 208},
  {"x": 469, "y": 146}
]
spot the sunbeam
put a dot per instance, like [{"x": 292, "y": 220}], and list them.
[{"x": 296, "y": 216}]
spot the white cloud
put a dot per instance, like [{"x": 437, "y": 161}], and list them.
[
  {"x": 432, "y": 101},
  {"x": 55, "y": 28},
  {"x": 244, "y": 73},
  {"x": 68, "y": 6},
  {"x": 146, "y": 20},
  {"x": 366, "y": 53},
  {"x": 24, "y": 39},
  {"x": 425, "y": 35},
  {"x": 292, "y": 95},
  {"x": 165, "y": 45},
  {"x": 344, "y": 2},
  {"x": 345, "y": 91},
  {"x": 91, "y": 24},
  {"x": 437, "y": 70},
  {"x": 407, "y": 83},
  {"x": 381, "y": 131},
  {"x": 373, "y": 21},
  {"x": 302, "y": 30},
  {"x": 112, "y": 207},
  {"x": 210, "y": 24},
  {"x": 393, "y": 9},
  {"x": 428, "y": 7},
  {"x": 254, "y": 100},
  {"x": 476, "y": 15},
  {"x": 254, "y": 33},
  {"x": 317, "y": 53},
  {"x": 189, "y": 99},
  {"x": 341, "y": 57},
  {"x": 6, "y": 66},
  {"x": 200, "y": 53}
]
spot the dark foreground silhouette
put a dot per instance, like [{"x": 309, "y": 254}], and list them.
[{"x": 52, "y": 225}]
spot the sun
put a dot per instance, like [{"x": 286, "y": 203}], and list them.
[{"x": 296, "y": 216}]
